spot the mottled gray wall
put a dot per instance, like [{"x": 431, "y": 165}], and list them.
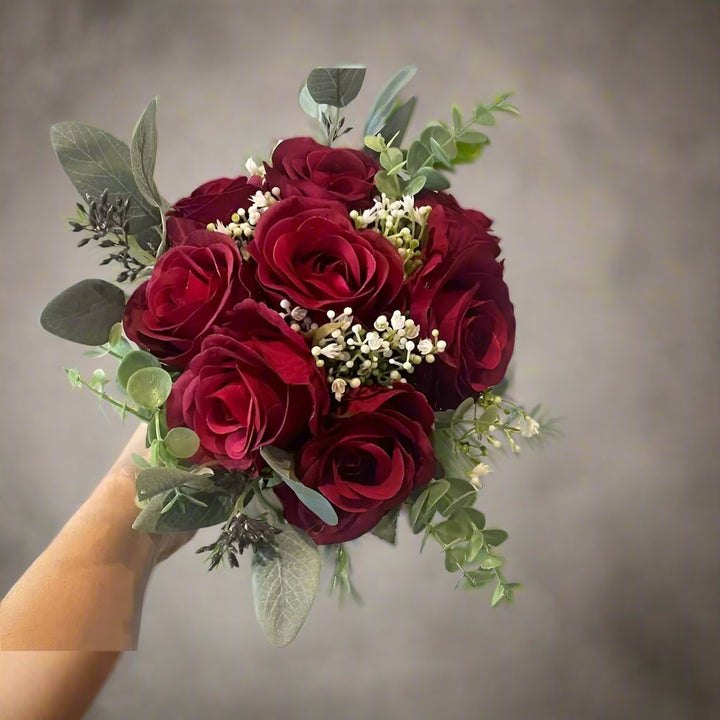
[{"x": 606, "y": 195}]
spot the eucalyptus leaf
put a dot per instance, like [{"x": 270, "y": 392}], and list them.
[
  {"x": 398, "y": 122},
  {"x": 477, "y": 578},
  {"x": 415, "y": 185},
  {"x": 495, "y": 536},
  {"x": 282, "y": 463},
  {"x": 95, "y": 161},
  {"x": 462, "y": 494},
  {"x": 491, "y": 562},
  {"x": 386, "y": 529},
  {"x": 435, "y": 180},
  {"x": 143, "y": 152},
  {"x": 387, "y": 184},
  {"x": 149, "y": 387},
  {"x": 182, "y": 442},
  {"x": 439, "y": 153},
  {"x": 473, "y": 137},
  {"x": 183, "y": 514},
  {"x": 483, "y": 116},
  {"x": 383, "y": 105},
  {"x": 498, "y": 595},
  {"x": 135, "y": 360},
  {"x": 335, "y": 86},
  {"x": 85, "y": 313},
  {"x": 284, "y": 586},
  {"x": 467, "y": 153}
]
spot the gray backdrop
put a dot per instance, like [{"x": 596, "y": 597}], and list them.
[{"x": 606, "y": 195}]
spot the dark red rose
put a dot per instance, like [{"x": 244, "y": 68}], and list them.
[
  {"x": 460, "y": 292},
  {"x": 460, "y": 226},
  {"x": 365, "y": 462},
  {"x": 301, "y": 166},
  {"x": 217, "y": 199},
  {"x": 192, "y": 285},
  {"x": 254, "y": 383},
  {"x": 309, "y": 252}
]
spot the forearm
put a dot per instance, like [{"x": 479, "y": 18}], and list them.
[
  {"x": 85, "y": 592},
  {"x": 51, "y": 685}
]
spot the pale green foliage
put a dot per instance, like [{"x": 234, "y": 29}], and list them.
[
  {"x": 284, "y": 586},
  {"x": 341, "y": 582},
  {"x": 282, "y": 463}
]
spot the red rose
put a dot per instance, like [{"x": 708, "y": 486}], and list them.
[
  {"x": 460, "y": 226},
  {"x": 190, "y": 288},
  {"x": 253, "y": 383},
  {"x": 365, "y": 462},
  {"x": 309, "y": 252},
  {"x": 217, "y": 199},
  {"x": 301, "y": 166},
  {"x": 460, "y": 291}
]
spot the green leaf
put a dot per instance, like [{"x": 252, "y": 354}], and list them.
[
  {"x": 450, "y": 532},
  {"x": 282, "y": 463},
  {"x": 387, "y": 184},
  {"x": 135, "y": 360},
  {"x": 397, "y": 124},
  {"x": 149, "y": 387},
  {"x": 391, "y": 159},
  {"x": 457, "y": 119},
  {"x": 495, "y": 536},
  {"x": 462, "y": 494},
  {"x": 490, "y": 562},
  {"x": 376, "y": 143},
  {"x": 386, "y": 529},
  {"x": 483, "y": 116},
  {"x": 74, "y": 377},
  {"x": 463, "y": 409},
  {"x": 454, "y": 462},
  {"x": 383, "y": 105},
  {"x": 85, "y": 312},
  {"x": 143, "y": 151},
  {"x": 475, "y": 517},
  {"x": 335, "y": 86},
  {"x": 473, "y": 137},
  {"x": 477, "y": 578},
  {"x": 153, "y": 481},
  {"x": 116, "y": 334},
  {"x": 467, "y": 153},
  {"x": 442, "y": 136},
  {"x": 415, "y": 185},
  {"x": 182, "y": 442},
  {"x": 439, "y": 154},
  {"x": 308, "y": 105},
  {"x": 95, "y": 160},
  {"x": 160, "y": 516},
  {"x": 435, "y": 180},
  {"x": 498, "y": 595},
  {"x": 418, "y": 155},
  {"x": 475, "y": 546},
  {"x": 285, "y": 586},
  {"x": 454, "y": 558}
]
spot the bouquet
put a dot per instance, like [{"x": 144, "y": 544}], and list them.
[{"x": 316, "y": 346}]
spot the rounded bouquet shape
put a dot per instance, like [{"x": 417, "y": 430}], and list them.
[{"x": 317, "y": 345}]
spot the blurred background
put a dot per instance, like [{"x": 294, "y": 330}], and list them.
[{"x": 605, "y": 193}]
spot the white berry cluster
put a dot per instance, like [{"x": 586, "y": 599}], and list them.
[
  {"x": 353, "y": 356},
  {"x": 242, "y": 223},
  {"x": 400, "y": 222}
]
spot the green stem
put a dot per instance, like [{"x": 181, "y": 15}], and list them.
[{"x": 113, "y": 402}]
